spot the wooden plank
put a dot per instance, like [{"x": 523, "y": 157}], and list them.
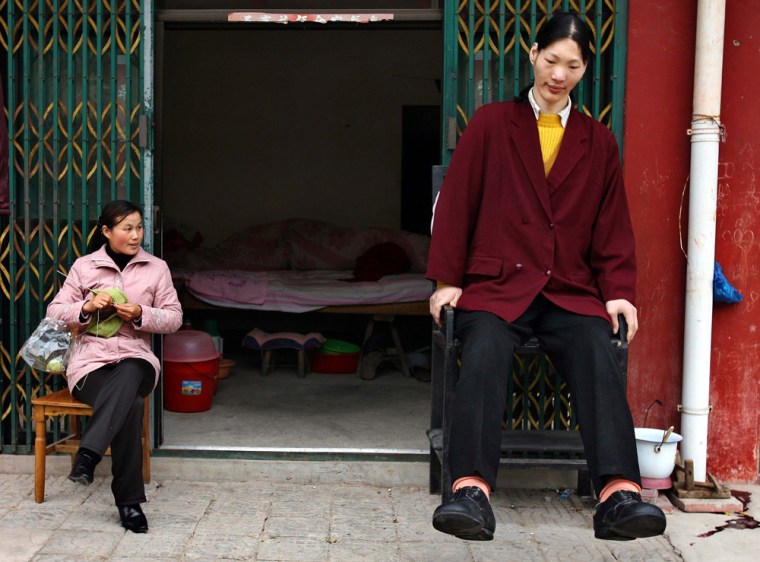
[
  {"x": 61, "y": 399},
  {"x": 416, "y": 308}
]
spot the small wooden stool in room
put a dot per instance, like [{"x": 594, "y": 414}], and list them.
[
  {"x": 61, "y": 403},
  {"x": 266, "y": 343}
]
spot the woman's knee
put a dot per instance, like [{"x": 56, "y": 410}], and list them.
[
  {"x": 136, "y": 409},
  {"x": 486, "y": 348},
  {"x": 483, "y": 329}
]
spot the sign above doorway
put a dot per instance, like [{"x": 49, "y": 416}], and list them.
[{"x": 266, "y": 17}]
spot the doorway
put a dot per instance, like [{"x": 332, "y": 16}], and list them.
[{"x": 264, "y": 123}]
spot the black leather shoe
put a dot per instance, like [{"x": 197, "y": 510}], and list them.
[
  {"x": 624, "y": 517},
  {"x": 467, "y": 515},
  {"x": 132, "y": 518},
  {"x": 83, "y": 467}
]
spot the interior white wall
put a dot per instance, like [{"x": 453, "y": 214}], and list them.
[{"x": 263, "y": 125}]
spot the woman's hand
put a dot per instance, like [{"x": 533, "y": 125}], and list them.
[
  {"x": 128, "y": 311},
  {"x": 441, "y": 296},
  {"x": 100, "y": 302},
  {"x": 622, "y": 306}
]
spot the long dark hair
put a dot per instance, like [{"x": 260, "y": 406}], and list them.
[
  {"x": 564, "y": 25},
  {"x": 111, "y": 215}
]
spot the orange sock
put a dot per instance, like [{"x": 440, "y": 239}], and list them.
[
  {"x": 617, "y": 484},
  {"x": 472, "y": 481}
]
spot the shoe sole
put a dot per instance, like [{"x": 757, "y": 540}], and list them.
[
  {"x": 462, "y": 527},
  {"x": 137, "y": 530},
  {"x": 640, "y": 527},
  {"x": 80, "y": 480},
  {"x": 483, "y": 535}
]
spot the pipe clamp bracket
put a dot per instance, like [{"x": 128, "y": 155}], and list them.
[
  {"x": 721, "y": 129},
  {"x": 695, "y": 411}
]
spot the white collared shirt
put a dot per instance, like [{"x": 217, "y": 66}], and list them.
[{"x": 564, "y": 115}]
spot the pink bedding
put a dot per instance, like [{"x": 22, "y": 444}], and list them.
[
  {"x": 297, "y": 265},
  {"x": 300, "y": 291}
]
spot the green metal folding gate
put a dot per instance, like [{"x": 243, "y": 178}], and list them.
[
  {"x": 76, "y": 92},
  {"x": 79, "y": 101},
  {"x": 486, "y": 46}
]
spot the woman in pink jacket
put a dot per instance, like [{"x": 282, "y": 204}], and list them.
[{"x": 116, "y": 296}]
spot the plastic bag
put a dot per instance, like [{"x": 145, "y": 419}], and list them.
[
  {"x": 49, "y": 347},
  {"x": 723, "y": 291}
]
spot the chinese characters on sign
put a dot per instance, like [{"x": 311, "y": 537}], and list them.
[{"x": 264, "y": 17}]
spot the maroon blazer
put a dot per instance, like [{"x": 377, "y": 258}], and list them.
[{"x": 505, "y": 233}]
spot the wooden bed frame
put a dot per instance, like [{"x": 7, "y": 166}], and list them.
[{"x": 414, "y": 308}]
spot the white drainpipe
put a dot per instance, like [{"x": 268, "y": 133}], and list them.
[{"x": 706, "y": 132}]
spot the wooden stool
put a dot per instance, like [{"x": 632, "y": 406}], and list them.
[
  {"x": 397, "y": 351},
  {"x": 267, "y": 362},
  {"x": 266, "y": 343},
  {"x": 62, "y": 403}
]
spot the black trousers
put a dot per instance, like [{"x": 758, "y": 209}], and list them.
[
  {"x": 579, "y": 346},
  {"x": 116, "y": 394}
]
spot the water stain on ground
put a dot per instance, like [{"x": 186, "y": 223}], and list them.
[{"x": 743, "y": 521}]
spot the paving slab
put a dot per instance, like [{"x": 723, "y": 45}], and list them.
[
  {"x": 707, "y": 537},
  {"x": 20, "y": 544},
  {"x": 286, "y": 521},
  {"x": 171, "y": 545},
  {"x": 216, "y": 546},
  {"x": 90, "y": 544},
  {"x": 700, "y": 505},
  {"x": 293, "y": 549}
]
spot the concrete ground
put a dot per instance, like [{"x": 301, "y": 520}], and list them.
[
  {"x": 204, "y": 509},
  {"x": 294, "y": 510},
  {"x": 321, "y": 410}
]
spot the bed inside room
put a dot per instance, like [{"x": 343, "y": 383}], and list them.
[{"x": 293, "y": 178}]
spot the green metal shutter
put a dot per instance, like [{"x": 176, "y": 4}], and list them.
[
  {"x": 486, "y": 46},
  {"x": 75, "y": 91}
]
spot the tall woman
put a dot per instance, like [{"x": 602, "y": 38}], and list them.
[
  {"x": 532, "y": 236},
  {"x": 117, "y": 296}
]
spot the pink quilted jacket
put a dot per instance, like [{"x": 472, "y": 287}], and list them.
[{"x": 145, "y": 281}]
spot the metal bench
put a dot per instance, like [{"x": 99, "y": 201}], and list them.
[{"x": 539, "y": 425}]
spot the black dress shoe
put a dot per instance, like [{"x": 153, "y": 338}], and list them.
[
  {"x": 132, "y": 518},
  {"x": 467, "y": 515},
  {"x": 83, "y": 468},
  {"x": 624, "y": 517}
]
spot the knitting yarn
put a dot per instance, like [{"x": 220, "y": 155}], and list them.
[{"x": 105, "y": 328}]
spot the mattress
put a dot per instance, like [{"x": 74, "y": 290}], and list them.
[{"x": 300, "y": 291}]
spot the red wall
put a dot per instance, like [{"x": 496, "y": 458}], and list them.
[{"x": 660, "y": 77}]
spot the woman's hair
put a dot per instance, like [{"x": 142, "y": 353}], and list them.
[
  {"x": 113, "y": 213},
  {"x": 564, "y": 25}
]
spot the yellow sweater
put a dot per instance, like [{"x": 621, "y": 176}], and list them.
[{"x": 550, "y": 131}]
